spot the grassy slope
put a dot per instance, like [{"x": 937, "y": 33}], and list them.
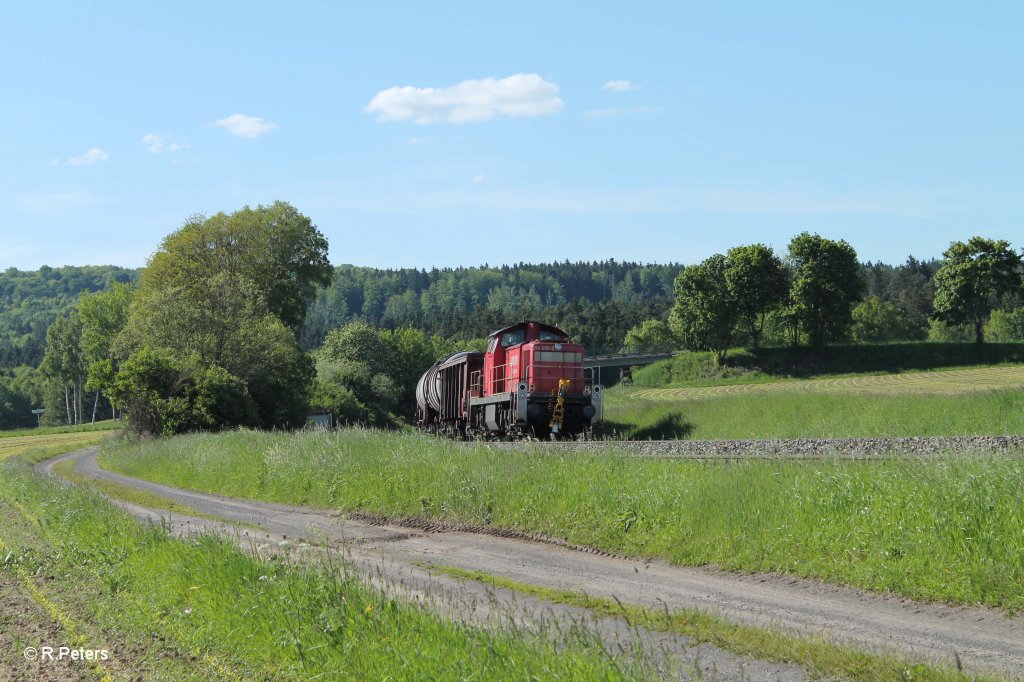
[
  {"x": 794, "y": 414},
  {"x": 232, "y": 617},
  {"x": 772, "y": 364},
  {"x": 942, "y": 529}
]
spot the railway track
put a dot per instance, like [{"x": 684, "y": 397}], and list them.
[{"x": 794, "y": 448}]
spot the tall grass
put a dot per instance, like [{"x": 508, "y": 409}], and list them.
[
  {"x": 946, "y": 528},
  {"x": 256, "y": 619},
  {"x": 818, "y": 415}
]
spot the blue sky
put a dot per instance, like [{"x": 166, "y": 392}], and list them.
[{"x": 442, "y": 134}]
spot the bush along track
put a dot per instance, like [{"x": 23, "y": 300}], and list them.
[
  {"x": 760, "y": 601},
  {"x": 232, "y": 616}
]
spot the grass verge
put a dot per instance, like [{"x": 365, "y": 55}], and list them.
[
  {"x": 226, "y": 615},
  {"x": 946, "y": 528},
  {"x": 820, "y": 657}
]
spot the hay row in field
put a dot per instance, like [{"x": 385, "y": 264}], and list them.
[{"x": 949, "y": 382}]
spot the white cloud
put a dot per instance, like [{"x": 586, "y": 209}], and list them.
[
  {"x": 620, "y": 86},
  {"x": 241, "y": 125},
  {"x": 615, "y": 111},
  {"x": 89, "y": 157},
  {"x": 519, "y": 96},
  {"x": 158, "y": 143},
  {"x": 479, "y": 178}
]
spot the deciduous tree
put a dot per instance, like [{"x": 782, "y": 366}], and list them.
[
  {"x": 64, "y": 365},
  {"x": 878, "y": 321},
  {"x": 217, "y": 296},
  {"x": 104, "y": 315},
  {"x": 275, "y": 248},
  {"x": 826, "y": 285},
  {"x": 650, "y": 336},
  {"x": 972, "y": 279},
  {"x": 705, "y": 312},
  {"x": 758, "y": 282}
]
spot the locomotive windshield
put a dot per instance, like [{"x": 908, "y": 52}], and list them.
[
  {"x": 513, "y": 338},
  {"x": 550, "y": 336}
]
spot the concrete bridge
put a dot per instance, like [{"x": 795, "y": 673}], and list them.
[{"x": 613, "y": 361}]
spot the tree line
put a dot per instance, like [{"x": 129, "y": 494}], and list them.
[
  {"x": 239, "y": 319},
  {"x": 596, "y": 301},
  {"x": 815, "y": 294}
]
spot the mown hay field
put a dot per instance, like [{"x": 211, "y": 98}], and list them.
[
  {"x": 50, "y": 443},
  {"x": 948, "y": 382}
]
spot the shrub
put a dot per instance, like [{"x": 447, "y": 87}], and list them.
[{"x": 162, "y": 395}]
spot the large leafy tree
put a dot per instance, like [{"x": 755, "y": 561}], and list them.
[
  {"x": 758, "y": 282},
  {"x": 216, "y": 298},
  {"x": 826, "y": 285},
  {"x": 972, "y": 279},
  {"x": 705, "y": 312},
  {"x": 275, "y": 248}
]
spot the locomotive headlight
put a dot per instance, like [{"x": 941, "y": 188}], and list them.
[{"x": 589, "y": 411}]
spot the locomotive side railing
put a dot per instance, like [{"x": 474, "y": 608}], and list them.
[{"x": 500, "y": 377}]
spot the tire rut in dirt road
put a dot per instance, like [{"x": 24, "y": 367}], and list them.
[{"x": 984, "y": 639}]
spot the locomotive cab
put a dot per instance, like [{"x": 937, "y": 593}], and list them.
[{"x": 535, "y": 373}]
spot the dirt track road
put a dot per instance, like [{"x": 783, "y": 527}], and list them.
[{"x": 984, "y": 639}]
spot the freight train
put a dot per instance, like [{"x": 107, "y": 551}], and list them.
[{"x": 529, "y": 383}]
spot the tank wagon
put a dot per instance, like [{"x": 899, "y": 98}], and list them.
[{"x": 529, "y": 382}]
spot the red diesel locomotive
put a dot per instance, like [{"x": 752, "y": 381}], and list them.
[{"x": 530, "y": 382}]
